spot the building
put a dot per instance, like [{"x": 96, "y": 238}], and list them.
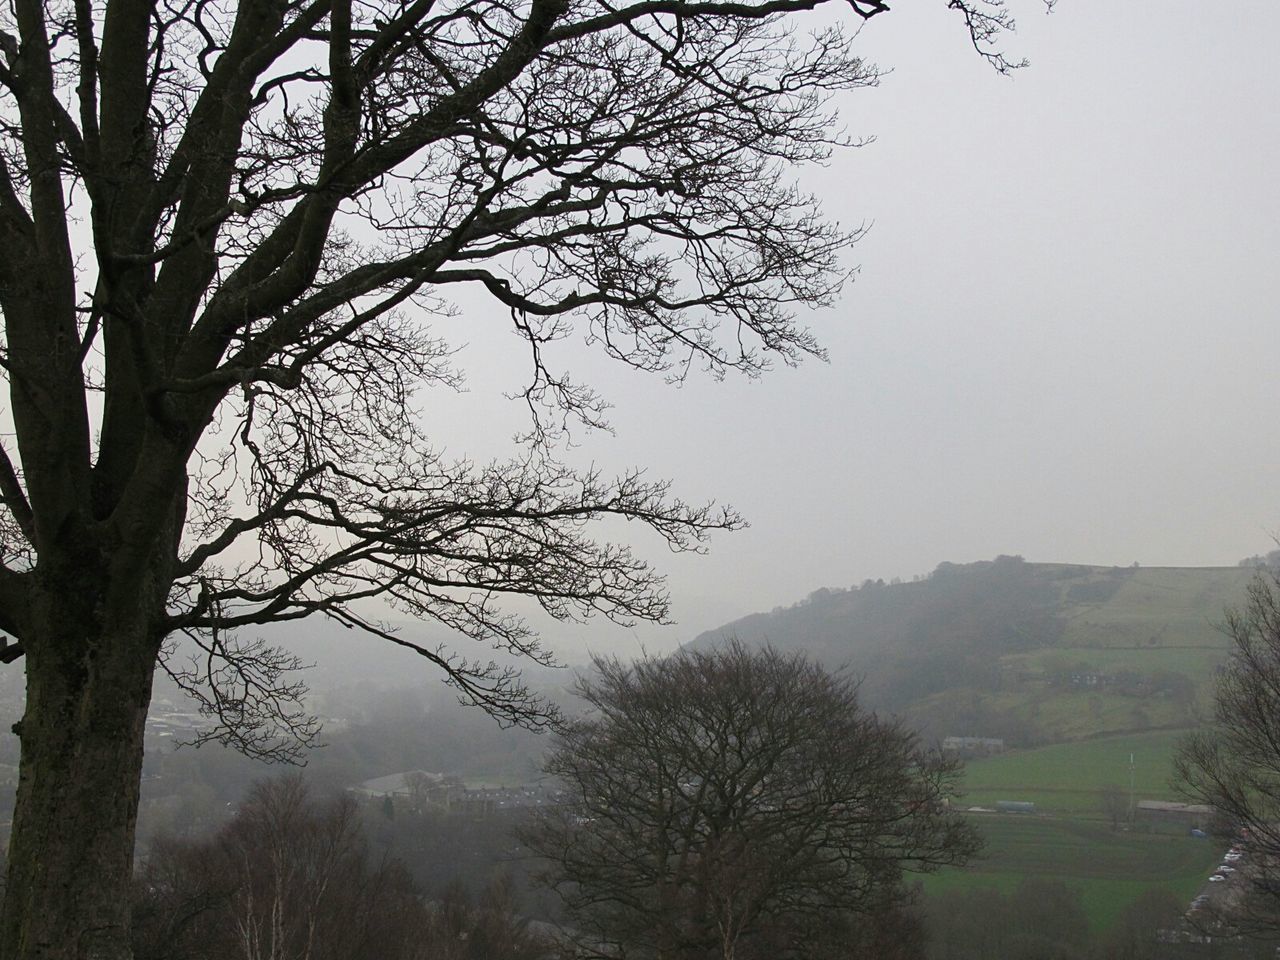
[
  {"x": 1167, "y": 811},
  {"x": 973, "y": 746}
]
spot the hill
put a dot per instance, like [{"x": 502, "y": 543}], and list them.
[{"x": 1030, "y": 652}]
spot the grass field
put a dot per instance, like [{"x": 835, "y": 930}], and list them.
[
  {"x": 1079, "y": 716},
  {"x": 1196, "y": 662},
  {"x": 1162, "y": 606},
  {"x": 1069, "y": 838},
  {"x": 1109, "y": 869},
  {"x": 1067, "y": 777},
  {"x": 1193, "y": 661}
]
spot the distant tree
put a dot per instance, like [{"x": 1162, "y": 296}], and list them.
[
  {"x": 1114, "y": 802},
  {"x": 1038, "y": 920},
  {"x": 422, "y": 788},
  {"x": 1178, "y": 687},
  {"x": 966, "y": 924},
  {"x": 176, "y": 896},
  {"x": 485, "y": 927},
  {"x": 738, "y": 804},
  {"x": 1046, "y": 921},
  {"x": 894, "y": 932},
  {"x": 1135, "y": 935},
  {"x": 1233, "y": 764},
  {"x": 288, "y": 876},
  {"x": 291, "y": 878},
  {"x": 1269, "y": 560}
]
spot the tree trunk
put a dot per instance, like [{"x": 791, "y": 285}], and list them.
[{"x": 89, "y": 675}]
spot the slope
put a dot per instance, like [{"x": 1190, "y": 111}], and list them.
[{"x": 1029, "y": 652}]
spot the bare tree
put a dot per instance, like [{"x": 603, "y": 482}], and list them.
[
  {"x": 1233, "y": 764},
  {"x": 1136, "y": 933},
  {"x": 227, "y": 227},
  {"x": 487, "y": 927},
  {"x": 1114, "y": 802},
  {"x": 736, "y": 804},
  {"x": 1038, "y": 920},
  {"x": 289, "y": 876}
]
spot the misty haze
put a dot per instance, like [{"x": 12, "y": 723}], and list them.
[{"x": 566, "y": 480}]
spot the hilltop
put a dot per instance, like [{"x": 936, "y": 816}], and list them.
[{"x": 1030, "y": 652}]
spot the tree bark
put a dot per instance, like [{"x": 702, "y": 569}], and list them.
[{"x": 89, "y": 672}]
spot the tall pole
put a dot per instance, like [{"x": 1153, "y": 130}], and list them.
[{"x": 1131, "y": 800}]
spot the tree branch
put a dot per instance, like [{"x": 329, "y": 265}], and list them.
[{"x": 14, "y": 498}]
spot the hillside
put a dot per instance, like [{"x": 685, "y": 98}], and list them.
[{"x": 1030, "y": 652}]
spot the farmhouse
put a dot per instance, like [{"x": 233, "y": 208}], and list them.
[{"x": 973, "y": 746}]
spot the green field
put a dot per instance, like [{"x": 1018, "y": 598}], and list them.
[
  {"x": 1137, "y": 650},
  {"x": 1068, "y": 838},
  {"x": 1078, "y": 716},
  {"x": 1197, "y": 662},
  {"x": 1159, "y": 607},
  {"x": 1109, "y": 869},
  {"x": 1067, "y": 777}
]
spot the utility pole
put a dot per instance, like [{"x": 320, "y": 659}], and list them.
[{"x": 1131, "y": 799}]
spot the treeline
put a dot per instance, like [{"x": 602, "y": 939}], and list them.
[
  {"x": 1042, "y": 920},
  {"x": 188, "y": 791},
  {"x": 913, "y": 640},
  {"x": 301, "y": 874},
  {"x": 294, "y": 874}
]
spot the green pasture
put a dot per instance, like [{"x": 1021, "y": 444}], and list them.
[
  {"x": 1159, "y": 606},
  {"x": 1197, "y": 662},
  {"x": 1067, "y": 777},
  {"x": 1078, "y": 715},
  {"x": 1109, "y": 869}
]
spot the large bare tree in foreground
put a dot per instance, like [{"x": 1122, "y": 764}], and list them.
[{"x": 227, "y": 228}]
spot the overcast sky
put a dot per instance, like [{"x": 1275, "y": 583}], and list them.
[{"x": 1060, "y": 343}]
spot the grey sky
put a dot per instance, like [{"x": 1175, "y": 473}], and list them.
[{"x": 1060, "y": 343}]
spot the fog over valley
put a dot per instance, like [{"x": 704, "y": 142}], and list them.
[{"x": 680, "y": 480}]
